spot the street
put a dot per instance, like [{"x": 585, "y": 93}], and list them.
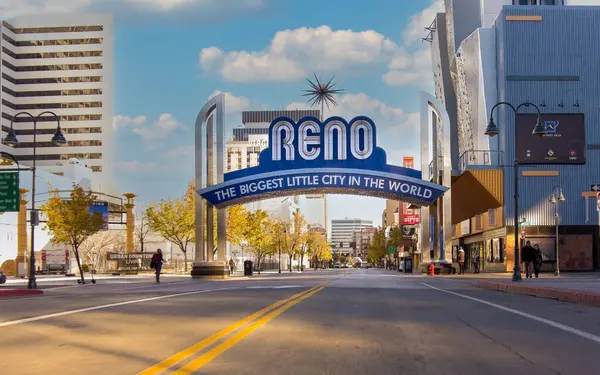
[{"x": 347, "y": 322}]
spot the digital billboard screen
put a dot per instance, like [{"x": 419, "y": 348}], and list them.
[{"x": 563, "y": 143}]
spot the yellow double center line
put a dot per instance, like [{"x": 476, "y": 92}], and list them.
[{"x": 260, "y": 318}]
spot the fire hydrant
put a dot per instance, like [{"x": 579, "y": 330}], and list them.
[{"x": 431, "y": 270}]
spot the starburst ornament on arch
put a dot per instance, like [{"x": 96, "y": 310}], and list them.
[{"x": 321, "y": 93}]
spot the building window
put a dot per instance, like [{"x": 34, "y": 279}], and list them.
[
  {"x": 492, "y": 217},
  {"x": 90, "y": 143},
  {"x": 90, "y": 130},
  {"x": 22, "y": 94},
  {"x": 478, "y": 222},
  {"x": 52, "y": 118},
  {"x": 39, "y": 81},
  {"x": 46, "y": 30},
  {"x": 96, "y": 155},
  {"x": 52, "y": 42},
  {"x": 45, "y": 68},
  {"x": 51, "y": 55},
  {"x": 96, "y": 168},
  {"x": 537, "y": 2},
  {"x": 22, "y": 107}
]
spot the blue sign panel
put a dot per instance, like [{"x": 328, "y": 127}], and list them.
[
  {"x": 333, "y": 157},
  {"x": 102, "y": 208}
]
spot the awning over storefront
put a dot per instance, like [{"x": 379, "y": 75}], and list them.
[{"x": 475, "y": 192}]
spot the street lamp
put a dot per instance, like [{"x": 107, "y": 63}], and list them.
[
  {"x": 556, "y": 201},
  {"x": 243, "y": 244},
  {"x": 538, "y": 130},
  {"x": 284, "y": 231},
  {"x": 58, "y": 139}
]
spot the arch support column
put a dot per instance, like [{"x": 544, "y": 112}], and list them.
[{"x": 209, "y": 170}]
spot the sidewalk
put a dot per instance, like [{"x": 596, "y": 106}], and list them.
[{"x": 581, "y": 288}]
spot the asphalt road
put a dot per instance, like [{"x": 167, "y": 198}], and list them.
[{"x": 337, "y": 322}]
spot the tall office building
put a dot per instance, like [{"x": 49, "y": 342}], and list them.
[
  {"x": 63, "y": 64},
  {"x": 342, "y": 233}
]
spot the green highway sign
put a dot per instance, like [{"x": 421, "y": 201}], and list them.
[{"x": 9, "y": 192}]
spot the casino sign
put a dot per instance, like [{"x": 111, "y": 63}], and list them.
[{"x": 330, "y": 157}]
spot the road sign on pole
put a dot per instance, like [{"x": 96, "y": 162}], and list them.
[
  {"x": 595, "y": 187},
  {"x": 9, "y": 192}
]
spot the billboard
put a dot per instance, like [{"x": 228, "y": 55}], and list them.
[
  {"x": 102, "y": 208},
  {"x": 409, "y": 216},
  {"x": 564, "y": 142}
]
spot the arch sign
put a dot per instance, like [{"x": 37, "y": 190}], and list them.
[{"x": 333, "y": 157}]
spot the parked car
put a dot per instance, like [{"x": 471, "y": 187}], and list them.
[
  {"x": 2, "y": 277},
  {"x": 337, "y": 265}
]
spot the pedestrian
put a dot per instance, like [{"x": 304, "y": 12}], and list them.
[
  {"x": 231, "y": 265},
  {"x": 539, "y": 259},
  {"x": 476, "y": 261},
  {"x": 461, "y": 261},
  {"x": 157, "y": 262},
  {"x": 528, "y": 255}
]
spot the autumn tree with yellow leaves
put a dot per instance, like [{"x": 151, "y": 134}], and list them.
[{"x": 70, "y": 221}]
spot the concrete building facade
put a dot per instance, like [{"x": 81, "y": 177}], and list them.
[
  {"x": 63, "y": 64},
  {"x": 522, "y": 51}
]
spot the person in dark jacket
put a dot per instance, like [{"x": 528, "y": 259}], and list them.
[
  {"x": 539, "y": 259},
  {"x": 157, "y": 262},
  {"x": 528, "y": 257}
]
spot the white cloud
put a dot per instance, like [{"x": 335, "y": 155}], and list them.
[
  {"x": 135, "y": 166},
  {"x": 294, "y": 54},
  {"x": 183, "y": 9},
  {"x": 120, "y": 121},
  {"x": 415, "y": 29},
  {"x": 159, "y": 129},
  {"x": 233, "y": 104}
]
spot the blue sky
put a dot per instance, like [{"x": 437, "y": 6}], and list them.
[{"x": 172, "y": 55}]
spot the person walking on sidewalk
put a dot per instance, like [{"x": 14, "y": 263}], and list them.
[
  {"x": 157, "y": 263},
  {"x": 476, "y": 261},
  {"x": 461, "y": 261},
  {"x": 528, "y": 255},
  {"x": 539, "y": 259}
]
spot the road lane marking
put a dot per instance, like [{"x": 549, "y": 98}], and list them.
[
  {"x": 204, "y": 359},
  {"x": 190, "y": 351},
  {"x": 549, "y": 322},
  {"x": 100, "y": 307}
]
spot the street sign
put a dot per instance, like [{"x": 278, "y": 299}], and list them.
[
  {"x": 595, "y": 187},
  {"x": 9, "y": 192},
  {"x": 524, "y": 223}
]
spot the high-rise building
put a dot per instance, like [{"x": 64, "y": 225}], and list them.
[
  {"x": 62, "y": 64},
  {"x": 342, "y": 233},
  {"x": 362, "y": 240}
]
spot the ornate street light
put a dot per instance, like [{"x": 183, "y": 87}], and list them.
[
  {"x": 539, "y": 130},
  {"x": 555, "y": 201},
  {"x": 58, "y": 139}
]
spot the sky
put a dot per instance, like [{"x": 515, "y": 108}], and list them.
[{"x": 171, "y": 56}]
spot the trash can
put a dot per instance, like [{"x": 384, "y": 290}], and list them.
[
  {"x": 248, "y": 268},
  {"x": 408, "y": 265}
]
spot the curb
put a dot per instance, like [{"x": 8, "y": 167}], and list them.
[
  {"x": 590, "y": 299},
  {"x": 20, "y": 292}
]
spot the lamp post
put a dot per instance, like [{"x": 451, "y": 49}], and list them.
[
  {"x": 58, "y": 139},
  {"x": 538, "y": 130},
  {"x": 243, "y": 244},
  {"x": 556, "y": 199},
  {"x": 284, "y": 231}
]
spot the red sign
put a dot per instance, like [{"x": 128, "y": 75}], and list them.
[{"x": 410, "y": 217}]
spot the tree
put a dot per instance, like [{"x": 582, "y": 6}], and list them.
[
  {"x": 94, "y": 249},
  {"x": 377, "y": 248},
  {"x": 70, "y": 221},
  {"x": 142, "y": 229},
  {"x": 302, "y": 249},
  {"x": 236, "y": 224},
  {"x": 175, "y": 220},
  {"x": 396, "y": 238},
  {"x": 296, "y": 235},
  {"x": 258, "y": 233},
  {"x": 318, "y": 248}
]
